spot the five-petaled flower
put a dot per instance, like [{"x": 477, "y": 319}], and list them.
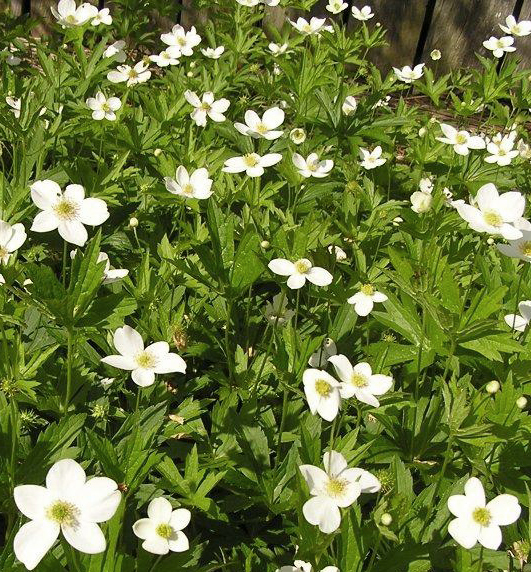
[
  {"x": 205, "y": 107},
  {"x": 198, "y": 185},
  {"x": 363, "y": 300},
  {"x": 461, "y": 141},
  {"x": 12, "y": 237},
  {"x": 266, "y": 126},
  {"x": 251, "y": 163},
  {"x": 103, "y": 107},
  {"x": 322, "y": 393},
  {"x": 300, "y": 271},
  {"x": 312, "y": 166}
]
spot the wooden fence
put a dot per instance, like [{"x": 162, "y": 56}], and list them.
[{"x": 415, "y": 27}]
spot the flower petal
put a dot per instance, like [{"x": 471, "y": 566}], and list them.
[
  {"x": 180, "y": 543},
  {"x": 128, "y": 341},
  {"x": 143, "y": 377},
  {"x": 281, "y": 266},
  {"x": 99, "y": 499},
  {"x": 322, "y": 512},
  {"x": 32, "y": 500},
  {"x": 33, "y": 541},
  {"x": 464, "y": 531},
  {"x": 334, "y": 463},
  {"x": 504, "y": 509},
  {"x": 180, "y": 518},
  {"x": 160, "y": 510},
  {"x": 319, "y": 276},
  {"x": 66, "y": 477},
  {"x": 93, "y": 212},
  {"x": 86, "y": 537}
]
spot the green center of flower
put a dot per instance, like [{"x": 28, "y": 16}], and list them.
[
  {"x": 63, "y": 513},
  {"x": 367, "y": 289},
  {"x": 323, "y": 388},
  {"x": 493, "y": 218},
  {"x": 525, "y": 248},
  {"x": 262, "y": 128},
  {"x": 4, "y": 253},
  {"x": 482, "y": 516},
  {"x": 358, "y": 380},
  {"x": 206, "y": 106},
  {"x": 71, "y": 19},
  {"x": 146, "y": 360},
  {"x": 188, "y": 189},
  {"x": 133, "y": 74},
  {"x": 500, "y": 44},
  {"x": 302, "y": 266},
  {"x": 164, "y": 531},
  {"x": 250, "y": 160},
  {"x": 307, "y": 28},
  {"x": 66, "y": 210},
  {"x": 181, "y": 41},
  {"x": 336, "y": 487},
  {"x": 461, "y": 138},
  {"x": 105, "y": 106}
]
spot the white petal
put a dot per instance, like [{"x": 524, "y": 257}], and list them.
[
  {"x": 367, "y": 481},
  {"x": 315, "y": 478},
  {"x": 180, "y": 543},
  {"x": 296, "y": 281},
  {"x": 75, "y": 193},
  {"x": 516, "y": 322},
  {"x": 32, "y": 500},
  {"x": 460, "y": 506},
  {"x": 160, "y": 510},
  {"x": 504, "y": 509},
  {"x": 364, "y": 306},
  {"x": 121, "y": 362},
  {"x": 144, "y": 528},
  {"x": 143, "y": 377},
  {"x": 380, "y": 384},
  {"x": 44, "y": 222},
  {"x": 464, "y": 531},
  {"x": 334, "y": 463},
  {"x": 281, "y": 266},
  {"x": 180, "y": 518},
  {"x": 322, "y": 512},
  {"x": 487, "y": 197},
  {"x": 171, "y": 363},
  {"x": 319, "y": 276},
  {"x": 365, "y": 397},
  {"x": 511, "y": 206},
  {"x": 342, "y": 366},
  {"x": 93, "y": 212},
  {"x": 44, "y": 193},
  {"x": 490, "y": 536},
  {"x": 73, "y": 232},
  {"x": 86, "y": 537},
  {"x": 156, "y": 545},
  {"x": 17, "y": 239},
  {"x": 475, "y": 492},
  {"x": 128, "y": 341},
  {"x": 273, "y": 117},
  {"x": 66, "y": 477},
  {"x": 33, "y": 541},
  {"x": 328, "y": 407},
  {"x": 99, "y": 499}
]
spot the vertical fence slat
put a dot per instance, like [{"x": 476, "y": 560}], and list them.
[
  {"x": 403, "y": 22},
  {"x": 191, "y": 16},
  {"x": 523, "y": 45},
  {"x": 459, "y": 29},
  {"x": 16, "y": 7}
]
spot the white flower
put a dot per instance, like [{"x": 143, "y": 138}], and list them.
[
  {"x": 301, "y": 566},
  {"x": 322, "y": 393},
  {"x": 320, "y": 357},
  {"x": 132, "y": 75},
  {"x": 371, "y": 159},
  {"x": 144, "y": 363},
  {"x": 522, "y": 28},
  {"x": 520, "y": 321},
  {"x": 382, "y": 102},
  {"x": 364, "y": 299},
  {"x": 300, "y": 271},
  {"x": 426, "y": 185},
  {"x": 278, "y": 49},
  {"x": 106, "y": 381},
  {"x": 519, "y": 248},
  {"x": 339, "y": 253},
  {"x": 298, "y": 135},
  {"x": 194, "y": 186},
  {"x": 421, "y": 200},
  {"x": 213, "y": 53},
  {"x": 66, "y": 211},
  {"x": 15, "y": 105},
  {"x": 435, "y": 55},
  {"x": 162, "y": 530},
  {"x": 338, "y": 487},
  {"x": 349, "y": 105},
  {"x": 168, "y": 57},
  {"x": 252, "y": 163},
  {"x": 252, "y": 3},
  {"x": 359, "y": 381},
  {"x": 495, "y": 213},
  {"x": 11, "y": 239},
  {"x": 68, "y": 14},
  {"x": 498, "y": 46},
  {"x": 523, "y": 149},
  {"x": 478, "y": 521},
  {"x": 206, "y": 107},
  {"x": 69, "y": 504},
  {"x": 102, "y": 107},
  {"x": 362, "y": 14},
  {"x": 336, "y": 6},
  {"x": 461, "y": 141},
  {"x": 11, "y": 59},
  {"x": 265, "y": 127},
  {"x": 312, "y": 166},
  {"x": 116, "y": 50},
  {"x": 501, "y": 149},
  {"x": 102, "y": 17},
  {"x": 277, "y": 312},
  {"x": 314, "y": 26},
  {"x": 111, "y": 275},
  {"x": 408, "y": 75},
  {"x": 185, "y": 41}
]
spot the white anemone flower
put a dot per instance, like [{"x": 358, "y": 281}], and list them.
[
  {"x": 500, "y": 46},
  {"x": 12, "y": 237},
  {"x": 362, "y": 14},
  {"x": 143, "y": 363},
  {"x": 111, "y": 275},
  {"x": 15, "y": 105},
  {"x": 336, "y": 487},
  {"x": 494, "y": 214},
  {"x": 300, "y": 271},
  {"x": 139, "y": 73},
  {"x": 265, "y": 127},
  {"x": 277, "y": 312},
  {"x": 408, "y": 74},
  {"x": 69, "y": 15},
  {"x": 322, "y": 393},
  {"x": 312, "y": 166},
  {"x": 479, "y": 521},
  {"x": 301, "y": 566},
  {"x": 116, "y": 51},
  {"x": 336, "y": 6},
  {"x": 213, "y": 53},
  {"x": 502, "y": 150},
  {"x": 205, "y": 107},
  {"x": 69, "y": 503},
  {"x": 102, "y": 17},
  {"x": 185, "y": 41},
  {"x": 162, "y": 530},
  {"x": 349, "y": 105},
  {"x": 198, "y": 185},
  {"x": 358, "y": 381},
  {"x": 519, "y": 322},
  {"x": 314, "y": 27},
  {"x": 103, "y": 107},
  {"x": 514, "y": 28},
  {"x": 67, "y": 211},
  {"x": 251, "y": 163},
  {"x": 168, "y": 57},
  {"x": 278, "y": 49},
  {"x": 371, "y": 159},
  {"x": 320, "y": 357},
  {"x": 524, "y": 149},
  {"x": 519, "y": 248},
  {"x": 364, "y": 300},
  {"x": 461, "y": 141},
  {"x": 252, "y": 3}
]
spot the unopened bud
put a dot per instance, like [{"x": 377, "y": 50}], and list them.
[
  {"x": 265, "y": 244},
  {"x": 133, "y": 222},
  {"x": 386, "y": 519},
  {"x": 493, "y": 387},
  {"x": 521, "y": 402}
]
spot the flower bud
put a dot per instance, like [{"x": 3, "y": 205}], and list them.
[
  {"x": 386, "y": 519},
  {"x": 298, "y": 135},
  {"x": 521, "y": 402},
  {"x": 265, "y": 244},
  {"x": 435, "y": 55},
  {"x": 493, "y": 387},
  {"x": 133, "y": 222},
  {"x": 157, "y": 152}
]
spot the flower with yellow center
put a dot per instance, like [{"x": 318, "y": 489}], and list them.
[
  {"x": 262, "y": 127},
  {"x": 364, "y": 300},
  {"x": 461, "y": 141},
  {"x": 312, "y": 166},
  {"x": 300, "y": 271},
  {"x": 12, "y": 237},
  {"x": 333, "y": 488},
  {"x": 196, "y": 185},
  {"x": 184, "y": 40},
  {"x": 131, "y": 75},
  {"x": 322, "y": 393},
  {"x": 252, "y": 164},
  {"x": 206, "y": 107}
]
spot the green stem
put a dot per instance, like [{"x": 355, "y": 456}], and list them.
[
  {"x": 65, "y": 260},
  {"x": 375, "y": 551},
  {"x": 156, "y": 563},
  {"x": 282, "y": 424},
  {"x": 69, "y": 358}
]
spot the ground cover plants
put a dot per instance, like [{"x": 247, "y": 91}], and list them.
[{"x": 263, "y": 305}]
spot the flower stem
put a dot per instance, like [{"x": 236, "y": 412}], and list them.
[{"x": 69, "y": 356}]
